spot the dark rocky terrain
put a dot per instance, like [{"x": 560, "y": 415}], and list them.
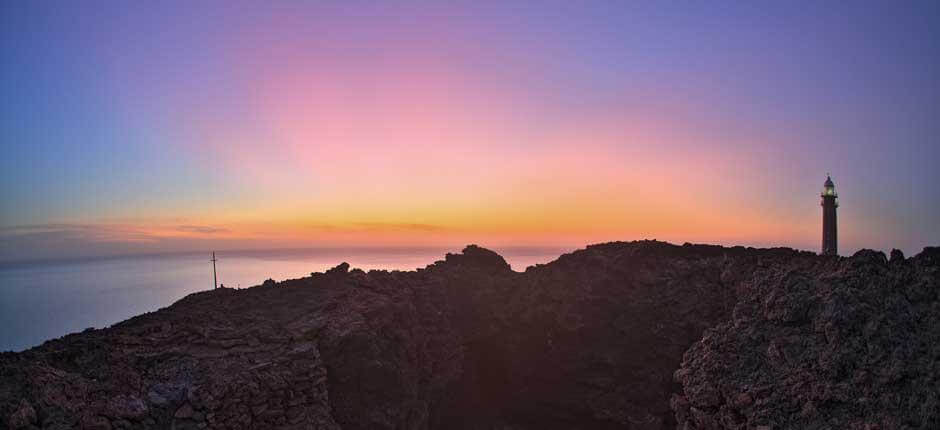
[
  {"x": 843, "y": 344},
  {"x": 640, "y": 335}
]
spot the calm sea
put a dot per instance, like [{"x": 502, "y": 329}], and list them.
[{"x": 41, "y": 301}]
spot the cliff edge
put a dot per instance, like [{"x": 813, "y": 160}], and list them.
[{"x": 638, "y": 335}]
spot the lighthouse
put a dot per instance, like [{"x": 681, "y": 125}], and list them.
[{"x": 830, "y": 201}]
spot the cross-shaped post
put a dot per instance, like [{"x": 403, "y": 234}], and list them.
[{"x": 215, "y": 280}]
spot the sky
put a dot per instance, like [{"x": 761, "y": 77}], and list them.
[{"x": 139, "y": 127}]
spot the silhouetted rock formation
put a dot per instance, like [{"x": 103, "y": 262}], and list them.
[{"x": 592, "y": 340}]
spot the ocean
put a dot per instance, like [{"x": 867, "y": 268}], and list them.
[{"x": 45, "y": 300}]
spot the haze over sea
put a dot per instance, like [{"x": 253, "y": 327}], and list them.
[{"x": 45, "y": 300}]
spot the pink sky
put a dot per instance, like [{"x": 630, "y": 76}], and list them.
[{"x": 303, "y": 125}]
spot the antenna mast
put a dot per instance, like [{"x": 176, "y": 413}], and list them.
[{"x": 215, "y": 280}]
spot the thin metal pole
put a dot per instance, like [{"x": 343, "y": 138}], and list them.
[{"x": 215, "y": 280}]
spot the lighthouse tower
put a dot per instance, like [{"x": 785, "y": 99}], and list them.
[{"x": 830, "y": 201}]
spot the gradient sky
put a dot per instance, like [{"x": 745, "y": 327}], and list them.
[{"x": 162, "y": 126}]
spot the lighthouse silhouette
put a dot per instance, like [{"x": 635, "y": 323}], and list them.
[{"x": 830, "y": 201}]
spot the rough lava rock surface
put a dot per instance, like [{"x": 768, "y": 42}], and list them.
[
  {"x": 593, "y": 340},
  {"x": 840, "y": 343}
]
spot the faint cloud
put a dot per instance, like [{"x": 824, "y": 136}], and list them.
[
  {"x": 365, "y": 226},
  {"x": 204, "y": 229},
  {"x": 53, "y": 241},
  {"x": 391, "y": 226},
  {"x": 85, "y": 232},
  {"x": 18, "y": 230}
]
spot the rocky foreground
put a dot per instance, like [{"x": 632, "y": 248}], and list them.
[{"x": 640, "y": 335}]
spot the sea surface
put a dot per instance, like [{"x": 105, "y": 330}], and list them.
[{"x": 45, "y": 300}]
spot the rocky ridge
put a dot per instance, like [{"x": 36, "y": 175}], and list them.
[
  {"x": 842, "y": 344},
  {"x": 639, "y": 335}
]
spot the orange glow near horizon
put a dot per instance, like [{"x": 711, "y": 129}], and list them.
[
  {"x": 436, "y": 157},
  {"x": 295, "y": 125}
]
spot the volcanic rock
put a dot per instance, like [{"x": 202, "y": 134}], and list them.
[
  {"x": 849, "y": 344},
  {"x": 593, "y": 340}
]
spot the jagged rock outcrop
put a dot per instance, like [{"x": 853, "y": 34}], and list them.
[
  {"x": 589, "y": 341},
  {"x": 829, "y": 343}
]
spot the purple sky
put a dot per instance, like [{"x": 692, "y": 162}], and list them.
[{"x": 194, "y": 125}]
